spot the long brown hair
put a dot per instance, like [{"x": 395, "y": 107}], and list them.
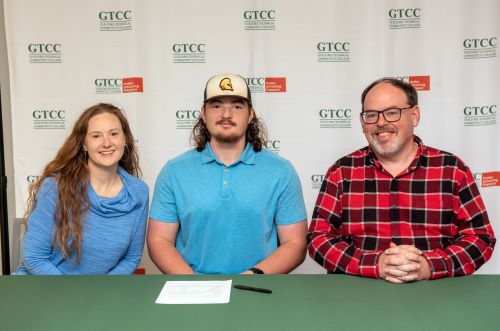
[
  {"x": 256, "y": 133},
  {"x": 69, "y": 169}
]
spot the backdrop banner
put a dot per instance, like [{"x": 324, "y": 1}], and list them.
[{"x": 306, "y": 63}]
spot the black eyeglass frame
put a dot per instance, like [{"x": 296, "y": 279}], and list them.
[{"x": 383, "y": 114}]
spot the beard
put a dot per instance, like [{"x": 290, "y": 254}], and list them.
[
  {"x": 385, "y": 150},
  {"x": 225, "y": 137}
]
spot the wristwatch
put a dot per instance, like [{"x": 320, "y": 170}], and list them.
[{"x": 256, "y": 271}]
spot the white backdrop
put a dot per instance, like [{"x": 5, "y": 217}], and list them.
[{"x": 307, "y": 63}]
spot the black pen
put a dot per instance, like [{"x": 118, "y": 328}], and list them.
[{"x": 250, "y": 288}]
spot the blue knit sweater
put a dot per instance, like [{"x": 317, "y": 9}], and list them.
[{"x": 113, "y": 232}]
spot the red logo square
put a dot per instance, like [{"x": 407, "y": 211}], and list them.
[
  {"x": 490, "y": 179},
  {"x": 275, "y": 84},
  {"x": 421, "y": 83},
  {"x": 132, "y": 84}
]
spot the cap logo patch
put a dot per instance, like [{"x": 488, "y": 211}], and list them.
[{"x": 225, "y": 84}]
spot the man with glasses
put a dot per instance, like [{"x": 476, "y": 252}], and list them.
[{"x": 397, "y": 209}]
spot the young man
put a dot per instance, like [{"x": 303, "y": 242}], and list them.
[
  {"x": 397, "y": 209},
  {"x": 227, "y": 206}
]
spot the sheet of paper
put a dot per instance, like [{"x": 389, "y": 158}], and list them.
[{"x": 195, "y": 292}]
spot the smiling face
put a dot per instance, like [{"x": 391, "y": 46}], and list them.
[
  {"x": 104, "y": 141},
  {"x": 388, "y": 139},
  {"x": 227, "y": 119}
]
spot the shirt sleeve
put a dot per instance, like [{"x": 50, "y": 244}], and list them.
[
  {"x": 326, "y": 245},
  {"x": 290, "y": 207},
  {"x": 130, "y": 261},
  {"x": 37, "y": 244},
  {"x": 474, "y": 241},
  {"x": 163, "y": 206}
]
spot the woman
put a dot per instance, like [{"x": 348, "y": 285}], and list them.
[{"x": 87, "y": 211}]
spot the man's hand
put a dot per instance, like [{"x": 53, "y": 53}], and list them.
[{"x": 404, "y": 263}]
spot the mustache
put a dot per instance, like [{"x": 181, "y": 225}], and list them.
[
  {"x": 385, "y": 128},
  {"x": 226, "y": 122}
]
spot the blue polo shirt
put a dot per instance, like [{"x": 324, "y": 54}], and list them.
[{"x": 227, "y": 214}]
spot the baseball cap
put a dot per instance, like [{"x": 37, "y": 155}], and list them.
[{"x": 227, "y": 85}]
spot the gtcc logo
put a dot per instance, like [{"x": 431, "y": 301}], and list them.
[
  {"x": 113, "y": 82},
  {"x": 334, "y": 46},
  {"x": 259, "y": 19},
  {"x": 114, "y": 85},
  {"x": 44, "y": 48},
  {"x": 119, "y": 20},
  {"x": 405, "y": 18},
  {"x": 266, "y": 84},
  {"x": 480, "y": 110},
  {"x": 186, "y": 118},
  {"x": 49, "y": 119},
  {"x": 333, "y": 51},
  {"x": 188, "y": 48},
  {"x": 115, "y": 15},
  {"x": 189, "y": 52},
  {"x": 335, "y": 118},
  {"x": 335, "y": 113},
  {"x": 259, "y": 14},
  {"x": 480, "y": 43},
  {"x": 45, "y": 52},
  {"x": 480, "y": 115},
  {"x": 480, "y": 48},
  {"x": 187, "y": 114},
  {"x": 49, "y": 114},
  {"x": 404, "y": 13}
]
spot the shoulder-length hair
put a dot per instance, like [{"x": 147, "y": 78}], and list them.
[
  {"x": 69, "y": 169},
  {"x": 256, "y": 133}
]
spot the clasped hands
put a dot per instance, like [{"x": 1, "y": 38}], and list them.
[{"x": 402, "y": 264}]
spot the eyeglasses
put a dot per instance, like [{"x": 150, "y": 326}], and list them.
[{"x": 390, "y": 115}]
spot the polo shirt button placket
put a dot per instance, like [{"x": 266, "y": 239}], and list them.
[{"x": 225, "y": 183}]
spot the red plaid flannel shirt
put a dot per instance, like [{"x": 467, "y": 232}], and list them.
[{"x": 434, "y": 204}]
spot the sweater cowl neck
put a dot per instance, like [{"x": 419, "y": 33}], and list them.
[{"x": 120, "y": 204}]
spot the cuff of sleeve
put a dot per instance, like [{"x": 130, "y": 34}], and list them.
[
  {"x": 368, "y": 264},
  {"x": 438, "y": 266}
]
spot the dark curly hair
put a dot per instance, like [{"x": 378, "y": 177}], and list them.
[{"x": 256, "y": 133}]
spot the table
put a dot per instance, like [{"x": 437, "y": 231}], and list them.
[{"x": 298, "y": 302}]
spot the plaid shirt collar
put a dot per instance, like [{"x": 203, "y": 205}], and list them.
[
  {"x": 372, "y": 158},
  {"x": 247, "y": 157}
]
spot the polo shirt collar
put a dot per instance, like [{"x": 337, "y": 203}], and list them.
[
  {"x": 413, "y": 164},
  {"x": 247, "y": 157}
]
